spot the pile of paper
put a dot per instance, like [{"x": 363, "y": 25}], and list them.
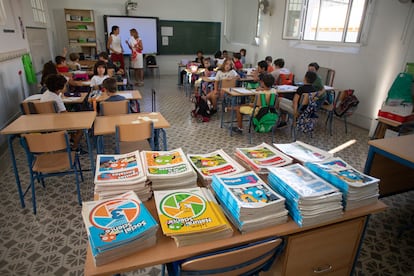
[
  {"x": 118, "y": 173},
  {"x": 309, "y": 199},
  {"x": 191, "y": 216},
  {"x": 248, "y": 201},
  {"x": 168, "y": 170},
  {"x": 358, "y": 189},
  {"x": 118, "y": 226}
]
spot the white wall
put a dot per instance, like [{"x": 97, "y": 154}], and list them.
[{"x": 370, "y": 72}]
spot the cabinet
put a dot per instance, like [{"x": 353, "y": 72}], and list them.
[
  {"x": 328, "y": 250},
  {"x": 80, "y": 26}
]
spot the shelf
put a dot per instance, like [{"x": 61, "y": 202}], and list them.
[
  {"x": 83, "y": 44},
  {"x": 75, "y": 18},
  {"x": 80, "y": 30},
  {"x": 79, "y": 21}
]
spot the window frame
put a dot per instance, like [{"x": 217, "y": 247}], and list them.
[{"x": 299, "y": 38}]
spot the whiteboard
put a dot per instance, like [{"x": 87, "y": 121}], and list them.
[
  {"x": 146, "y": 26},
  {"x": 39, "y": 47}
]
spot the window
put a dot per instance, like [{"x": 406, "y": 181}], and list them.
[
  {"x": 39, "y": 13},
  {"x": 339, "y": 21}
]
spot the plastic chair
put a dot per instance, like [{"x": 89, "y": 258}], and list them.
[
  {"x": 130, "y": 137},
  {"x": 225, "y": 83},
  {"x": 151, "y": 65},
  {"x": 248, "y": 259},
  {"x": 49, "y": 154},
  {"x": 256, "y": 107},
  {"x": 114, "y": 108},
  {"x": 340, "y": 97}
]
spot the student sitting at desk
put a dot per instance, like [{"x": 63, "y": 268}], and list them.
[
  {"x": 266, "y": 83},
  {"x": 226, "y": 71},
  {"x": 290, "y": 103},
  {"x": 206, "y": 87},
  {"x": 280, "y": 69},
  {"x": 73, "y": 62},
  {"x": 100, "y": 73},
  {"x": 238, "y": 66},
  {"x": 111, "y": 67},
  {"x": 243, "y": 56},
  {"x": 61, "y": 65},
  {"x": 49, "y": 68},
  {"x": 109, "y": 86},
  {"x": 56, "y": 86},
  {"x": 269, "y": 61}
]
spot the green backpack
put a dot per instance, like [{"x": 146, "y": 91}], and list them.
[{"x": 267, "y": 116}]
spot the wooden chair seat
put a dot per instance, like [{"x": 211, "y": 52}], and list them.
[
  {"x": 114, "y": 108},
  {"x": 53, "y": 162}
]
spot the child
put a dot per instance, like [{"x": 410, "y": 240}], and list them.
[
  {"x": 279, "y": 69},
  {"x": 206, "y": 87},
  {"x": 269, "y": 60},
  {"x": 218, "y": 59},
  {"x": 291, "y": 105},
  {"x": 199, "y": 58},
  {"x": 73, "y": 62},
  {"x": 238, "y": 66},
  {"x": 243, "y": 56},
  {"x": 56, "y": 85},
  {"x": 266, "y": 82},
  {"x": 226, "y": 71},
  {"x": 100, "y": 73},
  {"x": 111, "y": 67},
  {"x": 61, "y": 65},
  {"x": 109, "y": 86},
  {"x": 137, "y": 61}
]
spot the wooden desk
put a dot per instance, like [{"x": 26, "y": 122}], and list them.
[
  {"x": 105, "y": 125},
  {"x": 384, "y": 124},
  {"x": 166, "y": 250},
  {"x": 128, "y": 94},
  {"x": 44, "y": 123},
  {"x": 66, "y": 100},
  {"x": 392, "y": 161}
]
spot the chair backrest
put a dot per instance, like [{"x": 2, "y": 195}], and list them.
[
  {"x": 25, "y": 108},
  {"x": 46, "y": 142},
  {"x": 246, "y": 259},
  {"x": 38, "y": 107},
  {"x": 226, "y": 83},
  {"x": 114, "y": 108},
  {"x": 128, "y": 137},
  {"x": 327, "y": 75},
  {"x": 286, "y": 79}
]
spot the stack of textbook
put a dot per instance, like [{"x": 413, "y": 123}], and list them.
[
  {"x": 118, "y": 227},
  {"x": 309, "y": 199},
  {"x": 168, "y": 170},
  {"x": 261, "y": 157},
  {"x": 191, "y": 216},
  {"x": 249, "y": 202},
  {"x": 303, "y": 152},
  {"x": 118, "y": 173},
  {"x": 358, "y": 189},
  {"x": 216, "y": 162}
]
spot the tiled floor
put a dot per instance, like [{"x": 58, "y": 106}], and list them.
[{"x": 54, "y": 241}]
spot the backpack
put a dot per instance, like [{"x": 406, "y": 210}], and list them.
[
  {"x": 202, "y": 108},
  {"x": 267, "y": 116},
  {"x": 307, "y": 119},
  {"x": 348, "y": 104}
]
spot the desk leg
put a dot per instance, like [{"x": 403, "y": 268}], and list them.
[
  {"x": 360, "y": 244},
  {"x": 90, "y": 149},
  {"x": 233, "y": 105},
  {"x": 368, "y": 162},
  {"x": 157, "y": 134},
  {"x": 10, "y": 139}
]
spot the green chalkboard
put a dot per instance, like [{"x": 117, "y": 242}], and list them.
[{"x": 189, "y": 36}]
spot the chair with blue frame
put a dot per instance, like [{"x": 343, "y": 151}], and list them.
[
  {"x": 136, "y": 136},
  {"x": 49, "y": 154},
  {"x": 247, "y": 259}
]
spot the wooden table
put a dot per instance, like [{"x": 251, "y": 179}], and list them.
[
  {"x": 128, "y": 94},
  {"x": 392, "y": 161},
  {"x": 166, "y": 251},
  {"x": 66, "y": 100},
  {"x": 105, "y": 125},
  {"x": 384, "y": 124},
  {"x": 44, "y": 123}
]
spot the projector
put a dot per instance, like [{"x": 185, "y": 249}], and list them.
[{"x": 131, "y": 6}]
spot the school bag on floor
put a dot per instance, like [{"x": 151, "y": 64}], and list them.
[{"x": 267, "y": 116}]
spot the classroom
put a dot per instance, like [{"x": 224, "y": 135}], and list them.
[{"x": 54, "y": 241}]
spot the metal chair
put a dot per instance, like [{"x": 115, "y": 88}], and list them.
[
  {"x": 49, "y": 154},
  {"x": 130, "y": 137},
  {"x": 247, "y": 259},
  {"x": 114, "y": 108}
]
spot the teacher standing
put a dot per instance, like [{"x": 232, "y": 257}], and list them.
[
  {"x": 115, "y": 47},
  {"x": 137, "y": 62}
]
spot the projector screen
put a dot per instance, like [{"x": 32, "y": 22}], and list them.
[{"x": 146, "y": 26}]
